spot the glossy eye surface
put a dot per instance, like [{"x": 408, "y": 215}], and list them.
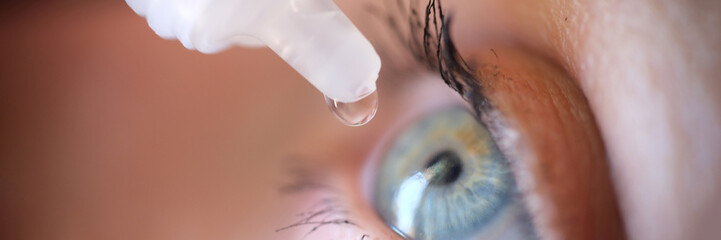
[{"x": 445, "y": 178}]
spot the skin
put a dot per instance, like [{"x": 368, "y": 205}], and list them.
[{"x": 110, "y": 132}]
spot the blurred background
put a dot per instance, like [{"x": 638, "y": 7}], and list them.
[{"x": 108, "y": 131}]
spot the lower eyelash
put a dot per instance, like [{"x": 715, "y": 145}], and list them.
[
  {"x": 325, "y": 212},
  {"x": 320, "y": 215}
]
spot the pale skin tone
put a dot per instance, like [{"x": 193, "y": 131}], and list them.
[{"x": 110, "y": 132}]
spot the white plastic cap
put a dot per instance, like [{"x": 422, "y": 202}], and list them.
[{"x": 313, "y": 36}]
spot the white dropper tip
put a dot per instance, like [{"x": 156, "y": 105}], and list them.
[
  {"x": 313, "y": 36},
  {"x": 322, "y": 44}
]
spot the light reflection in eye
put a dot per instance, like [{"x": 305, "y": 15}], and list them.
[
  {"x": 444, "y": 178},
  {"x": 407, "y": 200}
]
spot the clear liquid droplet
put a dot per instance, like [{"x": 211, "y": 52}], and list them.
[{"x": 354, "y": 113}]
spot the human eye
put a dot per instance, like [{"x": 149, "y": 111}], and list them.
[
  {"x": 444, "y": 178},
  {"x": 528, "y": 164}
]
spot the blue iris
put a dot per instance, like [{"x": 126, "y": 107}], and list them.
[{"x": 445, "y": 178}]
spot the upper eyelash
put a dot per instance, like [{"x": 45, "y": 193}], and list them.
[
  {"x": 437, "y": 51},
  {"x": 429, "y": 42}
]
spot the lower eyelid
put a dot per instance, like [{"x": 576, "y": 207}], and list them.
[{"x": 324, "y": 202}]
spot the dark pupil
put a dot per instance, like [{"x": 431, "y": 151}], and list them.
[{"x": 444, "y": 168}]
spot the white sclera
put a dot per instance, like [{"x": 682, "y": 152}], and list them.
[{"x": 313, "y": 36}]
